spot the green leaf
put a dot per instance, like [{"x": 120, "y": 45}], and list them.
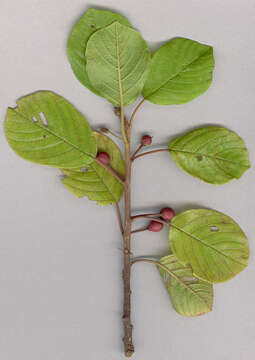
[
  {"x": 213, "y": 154},
  {"x": 90, "y": 22},
  {"x": 210, "y": 242},
  {"x": 97, "y": 183},
  {"x": 180, "y": 71},
  {"x": 118, "y": 60},
  {"x": 46, "y": 129},
  {"x": 190, "y": 296}
]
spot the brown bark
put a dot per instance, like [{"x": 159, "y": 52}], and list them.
[
  {"x": 127, "y": 339},
  {"x": 126, "y": 274}
]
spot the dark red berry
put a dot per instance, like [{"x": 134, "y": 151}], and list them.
[
  {"x": 155, "y": 226},
  {"x": 103, "y": 157},
  {"x": 167, "y": 213},
  {"x": 146, "y": 140}
]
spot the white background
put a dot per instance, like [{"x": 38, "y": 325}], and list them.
[{"x": 60, "y": 257}]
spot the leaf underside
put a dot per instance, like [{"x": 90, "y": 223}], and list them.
[
  {"x": 118, "y": 61},
  {"x": 92, "y": 21},
  {"x": 46, "y": 129},
  {"x": 96, "y": 182},
  {"x": 190, "y": 296},
  {"x": 180, "y": 71},
  {"x": 210, "y": 242},
  {"x": 213, "y": 154}
]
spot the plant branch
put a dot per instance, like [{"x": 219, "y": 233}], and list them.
[
  {"x": 157, "y": 263},
  {"x": 151, "y": 218},
  {"x": 134, "y": 113},
  {"x": 124, "y": 127},
  {"x": 150, "y": 152},
  {"x": 139, "y": 230},
  {"x": 136, "y": 260},
  {"x": 143, "y": 215},
  {"x": 165, "y": 268},
  {"x": 137, "y": 150},
  {"x": 126, "y": 134},
  {"x": 126, "y": 274},
  {"x": 107, "y": 131},
  {"x": 119, "y": 217},
  {"x": 124, "y": 123}
]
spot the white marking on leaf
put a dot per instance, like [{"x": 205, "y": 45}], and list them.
[
  {"x": 43, "y": 118},
  {"x": 34, "y": 119},
  {"x": 214, "y": 228},
  {"x": 190, "y": 279}
]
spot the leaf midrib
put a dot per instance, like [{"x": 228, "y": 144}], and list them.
[
  {"x": 207, "y": 245},
  {"x": 118, "y": 65},
  {"x": 209, "y": 156}
]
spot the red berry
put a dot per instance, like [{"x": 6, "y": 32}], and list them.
[
  {"x": 103, "y": 157},
  {"x": 167, "y": 213},
  {"x": 146, "y": 140},
  {"x": 155, "y": 226}
]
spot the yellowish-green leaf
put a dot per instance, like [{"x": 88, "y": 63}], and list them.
[
  {"x": 190, "y": 296},
  {"x": 213, "y": 154},
  {"x": 90, "y": 22},
  {"x": 96, "y": 182},
  {"x": 180, "y": 71},
  {"x": 46, "y": 129},
  {"x": 210, "y": 242},
  {"x": 118, "y": 61}
]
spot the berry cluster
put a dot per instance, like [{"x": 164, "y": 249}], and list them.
[
  {"x": 104, "y": 157},
  {"x": 166, "y": 214}
]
